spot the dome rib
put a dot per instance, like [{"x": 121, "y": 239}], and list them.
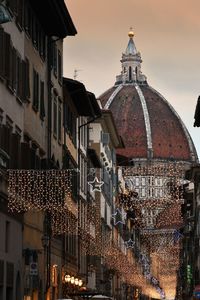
[
  {"x": 146, "y": 120},
  {"x": 113, "y": 95}
]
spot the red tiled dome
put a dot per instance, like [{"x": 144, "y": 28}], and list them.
[{"x": 148, "y": 124}]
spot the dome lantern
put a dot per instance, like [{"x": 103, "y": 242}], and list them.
[{"x": 131, "y": 64}]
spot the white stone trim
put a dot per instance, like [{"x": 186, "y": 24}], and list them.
[
  {"x": 110, "y": 100},
  {"x": 146, "y": 117},
  {"x": 191, "y": 146}
]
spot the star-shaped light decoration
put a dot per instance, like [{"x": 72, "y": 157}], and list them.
[
  {"x": 129, "y": 244},
  {"x": 119, "y": 217},
  {"x": 95, "y": 185},
  {"x": 177, "y": 236}
]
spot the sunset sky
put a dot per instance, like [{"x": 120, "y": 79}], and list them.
[{"x": 167, "y": 34}]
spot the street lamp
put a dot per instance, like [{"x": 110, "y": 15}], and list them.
[
  {"x": 72, "y": 280},
  {"x": 80, "y": 282},
  {"x": 4, "y": 14},
  {"x": 76, "y": 281},
  {"x": 67, "y": 278}
]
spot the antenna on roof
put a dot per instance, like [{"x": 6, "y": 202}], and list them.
[{"x": 76, "y": 73}]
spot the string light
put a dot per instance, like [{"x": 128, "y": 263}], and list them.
[
  {"x": 47, "y": 190},
  {"x": 51, "y": 191}
]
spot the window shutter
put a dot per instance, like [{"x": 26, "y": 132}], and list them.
[
  {"x": 2, "y": 52},
  {"x": 25, "y": 87},
  {"x": 42, "y": 107},
  {"x": 12, "y": 4},
  {"x": 55, "y": 59},
  {"x": 59, "y": 120},
  {"x": 59, "y": 67},
  {"x": 25, "y": 156},
  {"x": 35, "y": 90},
  {"x": 42, "y": 45},
  {"x": 1, "y": 272},
  {"x": 27, "y": 81},
  {"x": 24, "y": 79},
  {"x": 55, "y": 116},
  {"x": 27, "y": 18},
  {"x": 38, "y": 162},
  {"x": 7, "y": 54},
  {"x": 21, "y": 83},
  {"x": 9, "y": 274},
  {"x": 17, "y": 75},
  {"x": 33, "y": 158},
  {"x": 34, "y": 34},
  {"x": 20, "y": 9},
  {"x": 15, "y": 151},
  {"x": 6, "y": 138},
  {"x": 14, "y": 69},
  {"x": 10, "y": 77},
  {"x": 19, "y": 78}
]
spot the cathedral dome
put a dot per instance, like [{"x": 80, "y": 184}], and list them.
[{"x": 148, "y": 124}]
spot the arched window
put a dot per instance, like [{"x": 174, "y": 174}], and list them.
[{"x": 130, "y": 74}]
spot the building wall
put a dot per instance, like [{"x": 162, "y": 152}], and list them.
[
  {"x": 10, "y": 257},
  {"x": 11, "y": 229}
]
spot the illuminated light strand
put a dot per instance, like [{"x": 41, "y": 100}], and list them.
[
  {"x": 170, "y": 217},
  {"x": 175, "y": 169},
  {"x": 172, "y": 196},
  {"x": 130, "y": 270},
  {"x": 47, "y": 190}
]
